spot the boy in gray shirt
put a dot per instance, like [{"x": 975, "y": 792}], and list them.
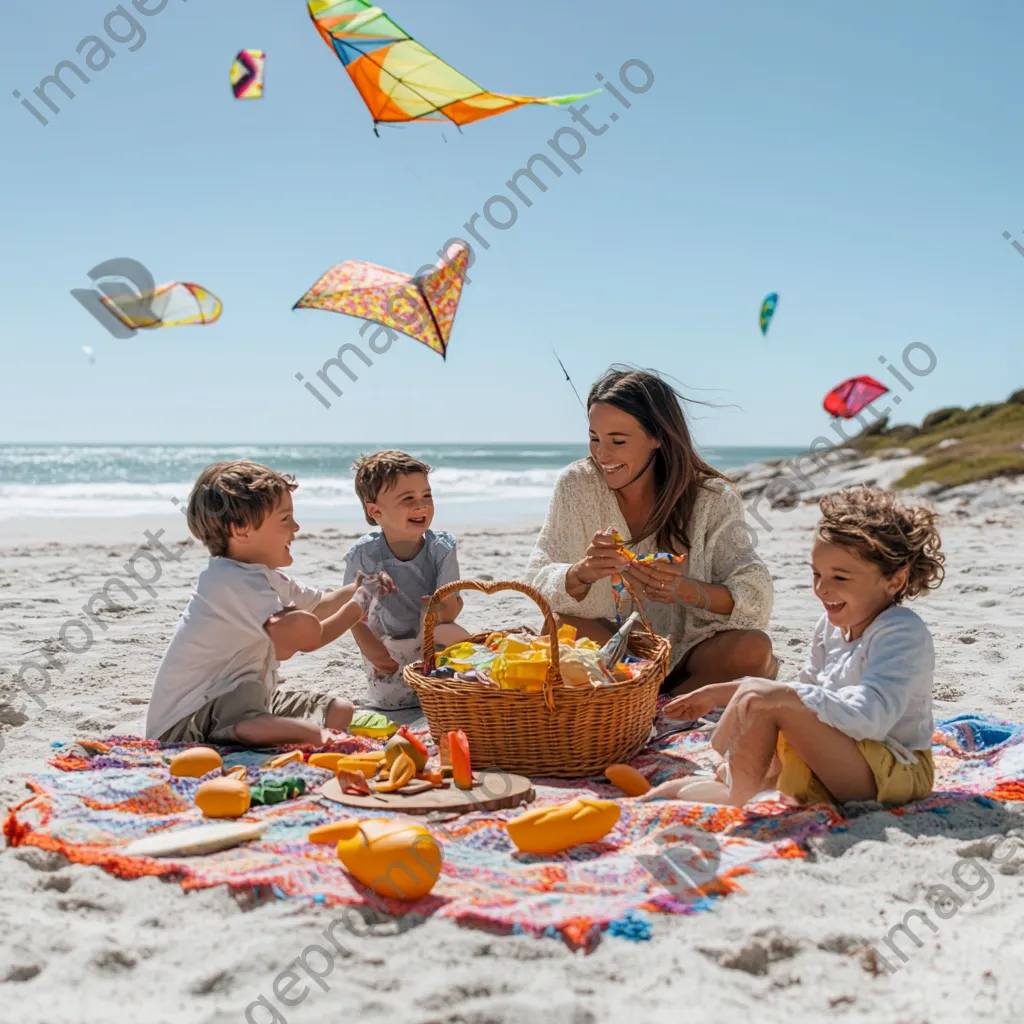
[{"x": 395, "y": 493}]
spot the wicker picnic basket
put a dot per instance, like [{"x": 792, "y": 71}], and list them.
[{"x": 560, "y": 732}]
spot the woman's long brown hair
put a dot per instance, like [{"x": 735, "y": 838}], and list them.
[{"x": 679, "y": 472}]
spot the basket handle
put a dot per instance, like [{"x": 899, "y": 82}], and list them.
[
  {"x": 638, "y": 605},
  {"x": 554, "y": 674}
]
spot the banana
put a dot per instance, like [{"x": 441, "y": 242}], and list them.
[
  {"x": 281, "y": 759},
  {"x": 368, "y": 764},
  {"x": 402, "y": 771}
]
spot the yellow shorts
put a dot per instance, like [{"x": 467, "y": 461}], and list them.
[{"x": 897, "y": 783}]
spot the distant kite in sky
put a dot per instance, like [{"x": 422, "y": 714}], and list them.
[
  {"x": 768, "y": 310},
  {"x": 247, "y": 74},
  {"x": 170, "y": 305},
  {"x": 847, "y": 399},
  {"x": 87, "y": 349},
  {"x": 423, "y": 307},
  {"x": 400, "y": 80}
]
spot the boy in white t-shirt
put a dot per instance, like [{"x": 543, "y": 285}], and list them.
[{"x": 218, "y": 680}]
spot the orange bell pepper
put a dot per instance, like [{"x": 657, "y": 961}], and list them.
[{"x": 462, "y": 768}]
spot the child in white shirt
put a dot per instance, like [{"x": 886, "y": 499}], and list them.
[
  {"x": 856, "y": 723},
  {"x": 218, "y": 679}
]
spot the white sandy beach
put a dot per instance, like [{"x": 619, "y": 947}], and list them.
[{"x": 82, "y": 946}]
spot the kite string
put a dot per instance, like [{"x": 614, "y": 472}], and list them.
[{"x": 568, "y": 378}]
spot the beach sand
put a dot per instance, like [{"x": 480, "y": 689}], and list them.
[{"x": 82, "y": 946}]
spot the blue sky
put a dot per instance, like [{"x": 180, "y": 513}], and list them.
[{"x": 863, "y": 162}]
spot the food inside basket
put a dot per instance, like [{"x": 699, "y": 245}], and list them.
[{"x": 518, "y": 661}]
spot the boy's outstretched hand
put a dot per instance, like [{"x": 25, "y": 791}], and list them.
[
  {"x": 381, "y": 583},
  {"x": 369, "y": 588},
  {"x": 699, "y": 702},
  {"x": 692, "y": 705}
]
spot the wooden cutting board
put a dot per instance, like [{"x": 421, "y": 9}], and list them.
[{"x": 493, "y": 791}]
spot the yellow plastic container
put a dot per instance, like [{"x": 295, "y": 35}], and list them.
[
  {"x": 223, "y": 798},
  {"x": 513, "y": 645},
  {"x": 520, "y": 671},
  {"x": 195, "y": 762},
  {"x": 400, "y": 861},
  {"x": 546, "y": 830}
]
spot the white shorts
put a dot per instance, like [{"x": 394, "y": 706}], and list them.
[{"x": 390, "y": 693}]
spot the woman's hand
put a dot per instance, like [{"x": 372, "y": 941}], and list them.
[
  {"x": 657, "y": 580},
  {"x": 602, "y": 560}
]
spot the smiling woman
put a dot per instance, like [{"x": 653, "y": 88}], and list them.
[{"x": 644, "y": 478}]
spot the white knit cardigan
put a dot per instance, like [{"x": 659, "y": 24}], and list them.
[{"x": 720, "y": 552}]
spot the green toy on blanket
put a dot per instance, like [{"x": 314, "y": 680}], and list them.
[{"x": 228, "y": 796}]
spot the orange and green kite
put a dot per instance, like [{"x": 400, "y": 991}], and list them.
[{"x": 400, "y": 80}]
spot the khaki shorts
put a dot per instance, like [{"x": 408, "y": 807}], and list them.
[
  {"x": 215, "y": 722},
  {"x": 897, "y": 783}
]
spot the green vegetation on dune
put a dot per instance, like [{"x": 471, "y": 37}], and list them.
[
  {"x": 989, "y": 443},
  {"x": 951, "y": 472}
]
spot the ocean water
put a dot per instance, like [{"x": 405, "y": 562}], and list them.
[{"x": 493, "y": 482}]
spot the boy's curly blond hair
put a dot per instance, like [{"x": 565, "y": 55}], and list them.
[
  {"x": 879, "y": 528},
  {"x": 382, "y": 469},
  {"x": 230, "y": 494}
]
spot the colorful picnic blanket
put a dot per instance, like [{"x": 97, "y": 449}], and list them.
[{"x": 662, "y": 857}]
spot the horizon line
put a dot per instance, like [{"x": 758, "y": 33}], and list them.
[{"x": 255, "y": 444}]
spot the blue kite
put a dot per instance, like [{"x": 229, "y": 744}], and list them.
[{"x": 768, "y": 310}]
